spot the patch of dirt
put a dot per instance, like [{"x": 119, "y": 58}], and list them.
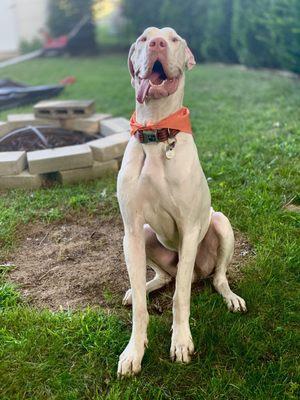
[
  {"x": 80, "y": 263},
  {"x": 42, "y": 137}
]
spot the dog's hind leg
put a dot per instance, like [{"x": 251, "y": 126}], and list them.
[
  {"x": 224, "y": 232},
  {"x": 160, "y": 280},
  {"x": 161, "y": 260}
]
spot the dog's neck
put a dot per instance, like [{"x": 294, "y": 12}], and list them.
[{"x": 156, "y": 109}]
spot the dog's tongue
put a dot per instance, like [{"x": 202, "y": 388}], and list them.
[
  {"x": 145, "y": 86},
  {"x": 143, "y": 90}
]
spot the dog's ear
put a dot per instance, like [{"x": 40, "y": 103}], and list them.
[
  {"x": 130, "y": 64},
  {"x": 190, "y": 61}
]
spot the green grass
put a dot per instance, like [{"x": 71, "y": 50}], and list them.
[{"x": 252, "y": 163}]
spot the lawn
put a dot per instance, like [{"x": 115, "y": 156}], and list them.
[{"x": 246, "y": 127}]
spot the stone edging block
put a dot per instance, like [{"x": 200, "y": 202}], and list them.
[
  {"x": 112, "y": 126},
  {"x": 23, "y": 180},
  {"x": 12, "y": 162},
  {"x": 62, "y": 109},
  {"x": 97, "y": 170},
  {"x": 110, "y": 147},
  {"x": 59, "y": 158},
  {"x": 89, "y": 125},
  {"x": 4, "y": 128},
  {"x": 16, "y": 121}
]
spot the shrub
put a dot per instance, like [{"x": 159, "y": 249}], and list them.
[{"x": 260, "y": 33}]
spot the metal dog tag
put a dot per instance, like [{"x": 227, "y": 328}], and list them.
[
  {"x": 170, "y": 149},
  {"x": 170, "y": 153}
]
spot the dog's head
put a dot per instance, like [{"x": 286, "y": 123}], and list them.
[{"x": 157, "y": 61}]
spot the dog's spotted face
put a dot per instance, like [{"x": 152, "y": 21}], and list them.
[{"x": 157, "y": 61}]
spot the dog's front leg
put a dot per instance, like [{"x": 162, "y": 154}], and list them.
[
  {"x": 182, "y": 346},
  {"x": 135, "y": 257}
]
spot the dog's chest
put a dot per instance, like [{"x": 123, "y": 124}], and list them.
[
  {"x": 166, "y": 193},
  {"x": 160, "y": 178},
  {"x": 173, "y": 190},
  {"x": 160, "y": 206}
]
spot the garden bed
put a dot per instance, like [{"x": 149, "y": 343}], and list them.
[{"x": 65, "y": 139}]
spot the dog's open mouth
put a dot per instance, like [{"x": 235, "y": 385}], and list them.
[{"x": 157, "y": 84}]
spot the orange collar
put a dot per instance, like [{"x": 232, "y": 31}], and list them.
[{"x": 179, "y": 120}]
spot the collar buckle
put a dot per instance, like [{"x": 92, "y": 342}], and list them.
[{"x": 149, "y": 136}]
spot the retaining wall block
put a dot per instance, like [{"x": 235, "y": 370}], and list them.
[
  {"x": 4, "y": 128},
  {"x": 112, "y": 126},
  {"x": 109, "y": 147},
  {"x": 59, "y": 158},
  {"x": 97, "y": 170},
  {"x": 90, "y": 125},
  {"x": 64, "y": 109},
  {"x": 22, "y": 180},
  {"x": 16, "y": 121},
  {"x": 12, "y": 162}
]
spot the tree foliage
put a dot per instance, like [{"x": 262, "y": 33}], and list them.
[{"x": 259, "y": 33}]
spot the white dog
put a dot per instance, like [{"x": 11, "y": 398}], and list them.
[{"x": 164, "y": 198}]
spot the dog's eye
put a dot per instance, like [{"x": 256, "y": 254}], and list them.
[
  {"x": 175, "y": 39},
  {"x": 143, "y": 39}
]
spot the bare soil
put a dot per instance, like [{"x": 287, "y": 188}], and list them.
[
  {"x": 80, "y": 263},
  {"x": 42, "y": 137}
]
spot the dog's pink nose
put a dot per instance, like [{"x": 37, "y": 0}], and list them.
[{"x": 157, "y": 44}]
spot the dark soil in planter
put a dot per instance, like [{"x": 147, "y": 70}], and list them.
[{"x": 42, "y": 137}]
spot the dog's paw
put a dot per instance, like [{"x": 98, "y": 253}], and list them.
[
  {"x": 127, "y": 299},
  {"x": 235, "y": 303},
  {"x": 130, "y": 360},
  {"x": 182, "y": 347}
]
